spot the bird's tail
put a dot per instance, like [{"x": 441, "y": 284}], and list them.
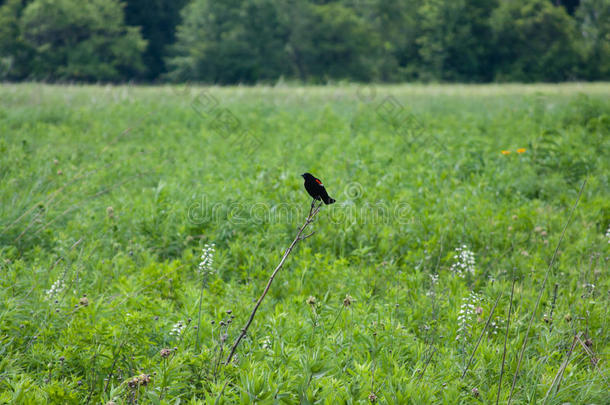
[{"x": 329, "y": 200}]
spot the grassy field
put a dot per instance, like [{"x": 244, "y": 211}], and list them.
[{"x": 110, "y": 196}]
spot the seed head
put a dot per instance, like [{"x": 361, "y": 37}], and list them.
[{"x": 144, "y": 379}]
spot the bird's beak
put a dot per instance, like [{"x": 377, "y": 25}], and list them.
[{"x": 303, "y": 175}]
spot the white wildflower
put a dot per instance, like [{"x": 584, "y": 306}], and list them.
[
  {"x": 589, "y": 289},
  {"x": 207, "y": 260},
  {"x": 608, "y": 233},
  {"x": 177, "y": 329},
  {"x": 464, "y": 261},
  {"x": 55, "y": 289},
  {"x": 495, "y": 325},
  {"x": 466, "y": 316},
  {"x": 434, "y": 280}
]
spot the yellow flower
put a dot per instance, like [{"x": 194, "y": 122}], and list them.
[
  {"x": 521, "y": 150},
  {"x": 506, "y": 152}
]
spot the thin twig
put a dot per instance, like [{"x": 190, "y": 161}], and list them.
[
  {"x": 46, "y": 203},
  {"x": 221, "y": 392},
  {"x": 337, "y": 317},
  {"x": 594, "y": 359},
  {"x": 559, "y": 374},
  {"x": 93, "y": 382},
  {"x": 553, "y": 306},
  {"x": 306, "y": 236},
  {"x": 199, "y": 316},
  {"x": 114, "y": 360},
  {"x": 481, "y": 335},
  {"x": 546, "y": 276},
  {"x": 433, "y": 350},
  {"x": 79, "y": 204},
  {"x": 432, "y": 331},
  {"x": 510, "y": 307},
  {"x": 80, "y": 175},
  {"x": 312, "y": 213},
  {"x": 62, "y": 257}
]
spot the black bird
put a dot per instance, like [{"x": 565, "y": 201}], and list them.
[{"x": 316, "y": 189}]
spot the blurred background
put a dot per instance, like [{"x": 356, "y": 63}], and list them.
[{"x": 310, "y": 41}]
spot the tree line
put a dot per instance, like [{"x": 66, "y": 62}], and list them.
[{"x": 313, "y": 41}]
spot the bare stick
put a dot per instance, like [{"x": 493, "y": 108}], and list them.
[
  {"x": 433, "y": 350},
  {"x": 429, "y": 339},
  {"x": 553, "y": 307},
  {"x": 546, "y": 276},
  {"x": 46, "y": 203},
  {"x": 221, "y": 392},
  {"x": 312, "y": 213},
  {"x": 592, "y": 356},
  {"x": 81, "y": 203},
  {"x": 559, "y": 374},
  {"x": 116, "y": 357},
  {"x": 510, "y": 307},
  {"x": 481, "y": 335}
]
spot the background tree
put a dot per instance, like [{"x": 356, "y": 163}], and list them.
[
  {"x": 74, "y": 40},
  {"x": 569, "y": 5},
  {"x": 251, "y": 41},
  {"x": 234, "y": 41},
  {"x": 455, "y": 40},
  {"x": 593, "y": 18},
  {"x": 397, "y": 24},
  {"x": 534, "y": 41},
  {"x": 158, "y": 20},
  {"x": 15, "y": 53},
  {"x": 330, "y": 41}
]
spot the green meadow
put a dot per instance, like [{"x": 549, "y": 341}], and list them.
[{"x": 447, "y": 197}]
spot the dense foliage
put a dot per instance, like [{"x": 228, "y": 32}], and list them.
[
  {"x": 158, "y": 20},
  {"x": 252, "y": 41},
  {"x": 70, "y": 39},
  {"x": 137, "y": 226}
]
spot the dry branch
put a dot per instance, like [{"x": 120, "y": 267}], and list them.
[
  {"x": 481, "y": 335},
  {"x": 312, "y": 213},
  {"x": 510, "y": 307},
  {"x": 546, "y": 277}
]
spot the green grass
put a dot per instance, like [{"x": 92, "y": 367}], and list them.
[{"x": 114, "y": 192}]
